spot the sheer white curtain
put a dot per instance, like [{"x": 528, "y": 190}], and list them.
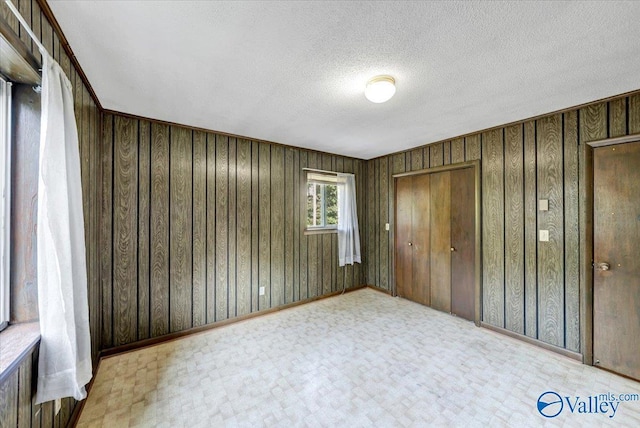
[
  {"x": 64, "y": 367},
  {"x": 348, "y": 234}
]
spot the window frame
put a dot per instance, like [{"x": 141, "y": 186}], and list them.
[
  {"x": 5, "y": 200},
  {"x": 323, "y": 179}
]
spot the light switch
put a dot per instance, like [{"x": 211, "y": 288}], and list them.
[
  {"x": 543, "y": 204},
  {"x": 386, "y": 226},
  {"x": 544, "y": 236}
]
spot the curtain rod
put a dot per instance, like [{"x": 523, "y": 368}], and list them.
[
  {"x": 324, "y": 171},
  {"x": 25, "y": 25}
]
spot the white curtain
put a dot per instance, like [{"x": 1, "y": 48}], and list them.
[
  {"x": 348, "y": 234},
  {"x": 64, "y": 367}
]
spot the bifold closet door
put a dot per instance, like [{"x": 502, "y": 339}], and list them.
[
  {"x": 412, "y": 238},
  {"x": 463, "y": 231}
]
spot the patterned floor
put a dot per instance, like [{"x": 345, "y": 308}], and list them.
[{"x": 358, "y": 360}]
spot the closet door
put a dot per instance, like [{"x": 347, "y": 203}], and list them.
[
  {"x": 440, "y": 227},
  {"x": 463, "y": 243},
  {"x": 412, "y": 238}
]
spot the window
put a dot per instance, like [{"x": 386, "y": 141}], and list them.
[
  {"x": 322, "y": 201},
  {"x": 5, "y": 182}
]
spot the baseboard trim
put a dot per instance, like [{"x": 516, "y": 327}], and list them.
[
  {"x": 558, "y": 350},
  {"x": 117, "y": 350}
]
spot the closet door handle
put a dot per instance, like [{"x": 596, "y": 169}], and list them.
[
  {"x": 410, "y": 243},
  {"x": 452, "y": 249}
]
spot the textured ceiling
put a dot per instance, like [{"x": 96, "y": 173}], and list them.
[{"x": 294, "y": 72}]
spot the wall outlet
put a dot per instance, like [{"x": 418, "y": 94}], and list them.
[
  {"x": 543, "y": 204},
  {"x": 261, "y": 291},
  {"x": 386, "y": 226},
  {"x": 544, "y": 236},
  {"x": 57, "y": 406}
]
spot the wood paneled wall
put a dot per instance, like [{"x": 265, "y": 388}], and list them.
[
  {"x": 194, "y": 223},
  {"x": 529, "y": 287},
  {"x": 17, "y": 390}
]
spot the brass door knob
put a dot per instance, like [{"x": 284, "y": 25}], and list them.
[
  {"x": 410, "y": 243},
  {"x": 602, "y": 266},
  {"x": 453, "y": 249}
]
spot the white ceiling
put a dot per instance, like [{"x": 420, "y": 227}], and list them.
[{"x": 294, "y": 72}]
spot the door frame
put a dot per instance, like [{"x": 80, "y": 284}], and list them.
[
  {"x": 585, "y": 175},
  {"x": 475, "y": 165}
]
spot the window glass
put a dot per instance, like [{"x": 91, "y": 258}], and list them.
[{"x": 322, "y": 201}]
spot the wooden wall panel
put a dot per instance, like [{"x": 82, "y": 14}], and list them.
[
  {"x": 551, "y": 254},
  {"x": 417, "y": 161},
  {"x": 180, "y": 229},
  {"x": 144, "y": 228},
  {"x": 384, "y": 206},
  {"x": 514, "y": 228},
  {"x": 159, "y": 235},
  {"x": 304, "y": 240},
  {"x": 618, "y": 117},
  {"x": 264, "y": 236},
  {"x": 290, "y": 209},
  {"x": 436, "y": 155},
  {"x": 530, "y": 231},
  {"x": 457, "y": 150},
  {"x": 243, "y": 223},
  {"x": 493, "y": 227},
  {"x": 125, "y": 226},
  {"x": 277, "y": 226},
  {"x": 472, "y": 147},
  {"x": 221, "y": 243},
  {"x": 199, "y": 228},
  {"x": 634, "y": 114},
  {"x": 571, "y": 233}
]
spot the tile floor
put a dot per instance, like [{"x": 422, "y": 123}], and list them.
[{"x": 357, "y": 360}]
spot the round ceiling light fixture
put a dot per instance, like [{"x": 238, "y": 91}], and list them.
[{"x": 380, "y": 89}]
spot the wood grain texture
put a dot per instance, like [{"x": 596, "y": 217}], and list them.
[
  {"x": 370, "y": 226},
  {"x": 180, "y": 230},
  {"x": 593, "y": 123},
  {"x": 277, "y": 227},
  {"x": 243, "y": 224},
  {"x": 159, "y": 237},
  {"x": 404, "y": 232},
  {"x": 24, "y": 204},
  {"x": 222, "y": 228},
  {"x": 440, "y": 234},
  {"x": 384, "y": 218},
  {"x": 417, "y": 159},
  {"x": 617, "y": 117},
  {"x": 264, "y": 233},
  {"x": 231, "y": 249},
  {"x": 25, "y": 392},
  {"x": 144, "y": 229},
  {"x": 571, "y": 233},
  {"x": 551, "y": 254},
  {"x": 472, "y": 147},
  {"x": 314, "y": 267},
  {"x": 457, "y": 150},
  {"x": 255, "y": 236},
  {"x": 211, "y": 228},
  {"x": 436, "y": 155},
  {"x": 447, "y": 152},
  {"x": 514, "y": 230},
  {"x": 634, "y": 114},
  {"x": 9, "y": 402},
  {"x": 199, "y": 228},
  {"x": 125, "y": 225},
  {"x": 289, "y": 223},
  {"x": 493, "y": 227},
  {"x": 326, "y": 256},
  {"x": 106, "y": 227},
  {"x": 530, "y": 231},
  {"x": 421, "y": 217},
  {"x": 304, "y": 239},
  {"x": 298, "y": 225}
]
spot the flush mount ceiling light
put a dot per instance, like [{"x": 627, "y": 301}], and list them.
[{"x": 380, "y": 89}]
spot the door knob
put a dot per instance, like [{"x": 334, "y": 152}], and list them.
[
  {"x": 602, "y": 266},
  {"x": 452, "y": 249},
  {"x": 410, "y": 243}
]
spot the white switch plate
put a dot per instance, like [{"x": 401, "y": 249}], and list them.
[
  {"x": 544, "y": 236},
  {"x": 543, "y": 204},
  {"x": 262, "y": 291},
  {"x": 386, "y": 226}
]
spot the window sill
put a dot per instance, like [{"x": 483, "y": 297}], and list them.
[
  {"x": 16, "y": 341},
  {"x": 319, "y": 231}
]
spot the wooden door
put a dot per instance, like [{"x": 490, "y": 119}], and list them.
[
  {"x": 440, "y": 228},
  {"x": 412, "y": 238},
  {"x": 463, "y": 235},
  {"x": 616, "y": 285}
]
